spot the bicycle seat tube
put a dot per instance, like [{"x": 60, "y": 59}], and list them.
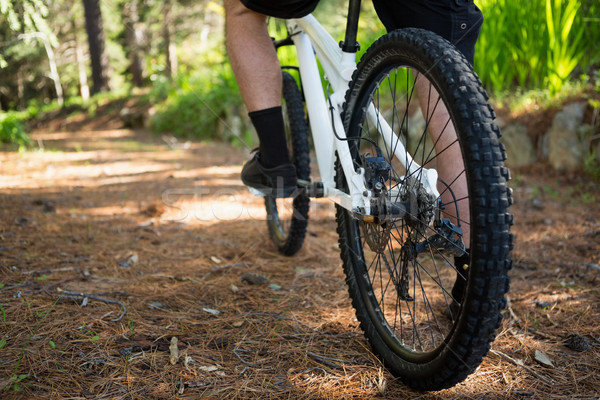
[{"x": 350, "y": 45}]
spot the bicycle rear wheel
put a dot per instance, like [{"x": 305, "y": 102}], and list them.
[
  {"x": 428, "y": 306},
  {"x": 287, "y": 218}
]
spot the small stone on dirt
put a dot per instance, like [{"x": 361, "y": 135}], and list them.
[
  {"x": 544, "y": 304},
  {"x": 48, "y": 206},
  {"x": 211, "y": 311},
  {"x": 154, "y": 210},
  {"x": 537, "y": 204},
  {"x": 155, "y": 304},
  {"x": 543, "y": 359},
  {"x": 22, "y": 221},
  {"x": 253, "y": 279},
  {"x": 174, "y": 351}
]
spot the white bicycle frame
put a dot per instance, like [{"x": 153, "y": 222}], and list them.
[{"x": 310, "y": 37}]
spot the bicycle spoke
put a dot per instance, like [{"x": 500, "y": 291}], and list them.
[
  {"x": 410, "y": 284},
  {"x": 393, "y": 270}
]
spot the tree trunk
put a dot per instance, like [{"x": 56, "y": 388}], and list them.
[
  {"x": 170, "y": 55},
  {"x": 20, "y": 90},
  {"x": 54, "y": 72},
  {"x": 95, "y": 32},
  {"x": 84, "y": 89},
  {"x": 133, "y": 37}
]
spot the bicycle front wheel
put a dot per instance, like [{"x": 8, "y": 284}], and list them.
[
  {"x": 428, "y": 287},
  {"x": 287, "y": 219}
]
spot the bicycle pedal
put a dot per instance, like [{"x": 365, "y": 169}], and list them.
[
  {"x": 256, "y": 192},
  {"x": 315, "y": 189}
]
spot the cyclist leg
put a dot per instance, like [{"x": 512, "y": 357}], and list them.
[
  {"x": 253, "y": 57},
  {"x": 255, "y": 65},
  {"x": 450, "y": 164},
  {"x": 458, "y": 21}
]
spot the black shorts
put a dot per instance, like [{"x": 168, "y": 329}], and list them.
[
  {"x": 458, "y": 21},
  {"x": 282, "y": 8}
]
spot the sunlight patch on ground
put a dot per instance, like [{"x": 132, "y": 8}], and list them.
[
  {"x": 83, "y": 175},
  {"x": 198, "y": 206},
  {"x": 106, "y": 211},
  {"x": 207, "y": 174},
  {"x": 69, "y": 135}
]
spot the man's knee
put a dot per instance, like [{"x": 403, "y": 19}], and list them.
[{"x": 236, "y": 9}]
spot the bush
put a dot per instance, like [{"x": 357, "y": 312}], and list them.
[
  {"x": 12, "y": 129},
  {"x": 196, "y": 104},
  {"x": 536, "y": 44}
]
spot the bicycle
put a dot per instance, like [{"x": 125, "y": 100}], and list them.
[{"x": 421, "y": 203}]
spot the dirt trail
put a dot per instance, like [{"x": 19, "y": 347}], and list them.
[{"x": 163, "y": 232}]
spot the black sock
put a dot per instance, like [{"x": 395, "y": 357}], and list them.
[{"x": 271, "y": 133}]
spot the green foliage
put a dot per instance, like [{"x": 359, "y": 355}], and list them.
[
  {"x": 15, "y": 382},
  {"x": 564, "y": 41},
  {"x": 92, "y": 335},
  {"x": 591, "y": 164},
  {"x": 12, "y": 128},
  {"x": 201, "y": 101},
  {"x": 24, "y": 33},
  {"x": 286, "y": 54},
  {"x": 535, "y": 44},
  {"x": 197, "y": 103},
  {"x": 590, "y": 17},
  {"x": 25, "y": 16}
]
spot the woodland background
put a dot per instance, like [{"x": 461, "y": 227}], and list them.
[{"x": 169, "y": 56}]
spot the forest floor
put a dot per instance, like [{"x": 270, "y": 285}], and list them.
[{"x": 158, "y": 234}]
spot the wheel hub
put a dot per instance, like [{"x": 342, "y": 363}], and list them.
[{"x": 422, "y": 205}]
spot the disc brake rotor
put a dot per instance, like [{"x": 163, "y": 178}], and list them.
[{"x": 377, "y": 236}]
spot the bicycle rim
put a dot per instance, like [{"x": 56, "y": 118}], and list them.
[
  {"x": 411, "y": 281},
  {"x": 410, "y": 295},
  {"x": 287, "y": 218}
]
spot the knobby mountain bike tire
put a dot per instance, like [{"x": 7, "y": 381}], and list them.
[
  {"x": 429, "y": 309},
  {"x": 287, "y": 219}
]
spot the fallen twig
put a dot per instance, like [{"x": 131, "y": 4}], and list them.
[
  {"x": 175, "y": 278},
  {"x": 510, "y": 310},
  {"x": 583, "y": 264},
  {"x": 520, "y": 323},
  {"x": 235, "y": 351},
  {"x": 90, "y": 296},
  {"x": 521, "y": 364},
  {"x": 594, "y": 266},
  {"x": 47, "y": 288},
  {"x": 327, "y": 361},
  {"x": 219, "y": 268},
  {"x": 49, "y": 271}
]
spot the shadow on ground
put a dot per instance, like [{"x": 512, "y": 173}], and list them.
[{"x": 164, "y": 242}]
